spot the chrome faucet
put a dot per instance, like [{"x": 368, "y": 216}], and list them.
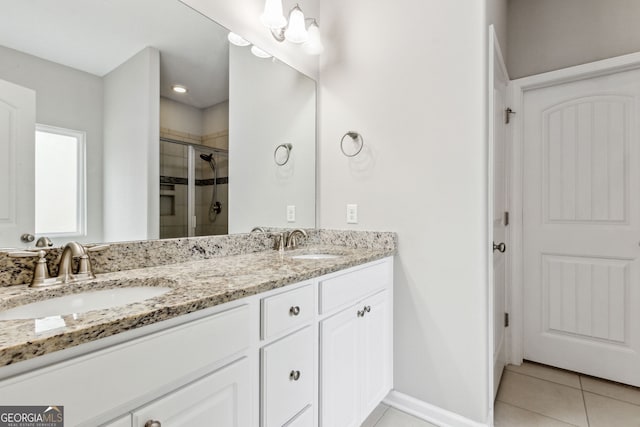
[{"x": 291, "y": 241}]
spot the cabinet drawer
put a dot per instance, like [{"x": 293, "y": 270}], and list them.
[
  {"x": 304, "y": 419},
  {"x": 287, "y": 377},
  {"x": 349, "y": 287},
  {"x": 286, "y": 311}
]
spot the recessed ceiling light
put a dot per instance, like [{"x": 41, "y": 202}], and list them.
[{"x": 179, "y": 89}]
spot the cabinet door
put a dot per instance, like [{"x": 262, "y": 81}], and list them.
[
  {"x": 340, "y": 366},
  {"x": 375, "y": 351},
  {"x": 221, "y": 399}
]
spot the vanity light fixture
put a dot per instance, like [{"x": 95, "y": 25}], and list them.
[
  {"x": 237, "y": 40},
  {"x": 179, "y": 89},
  {"x": 294, "y": 30},
  {"x": 259, "y": 52}
]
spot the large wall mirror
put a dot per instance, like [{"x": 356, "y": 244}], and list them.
[{"x": 131, "y": 120}]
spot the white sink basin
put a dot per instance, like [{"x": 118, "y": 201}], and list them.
[
  {"x": 82, "y": 302},
  {"x": 315, "y": 256}
]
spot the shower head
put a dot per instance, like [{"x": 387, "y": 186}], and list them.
[{"x": 206, "y": 157}]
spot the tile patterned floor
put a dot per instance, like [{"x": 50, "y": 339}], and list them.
[{"x": 533, "y": 395}]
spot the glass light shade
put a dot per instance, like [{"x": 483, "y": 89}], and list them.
[
  {"x": 273, "y": 17},
  {"x": 237, "y": 40},
  {"x": 259, "y": 52},
  {"x": 313, "y": 46},
  {"x": 296, "y": 31}
]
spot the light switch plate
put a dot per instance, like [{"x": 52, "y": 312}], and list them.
[
  {"x": 291, "y": 213},
  {"x": 352, "y": 214}
]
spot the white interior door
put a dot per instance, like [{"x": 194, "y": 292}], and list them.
[
  {"x": 581, "y": 226},
  {"x": 17, "y": 150},
  {"x": 499, "y": 203}
]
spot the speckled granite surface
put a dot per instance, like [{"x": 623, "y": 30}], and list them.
[{"x": 200, "y": 282}]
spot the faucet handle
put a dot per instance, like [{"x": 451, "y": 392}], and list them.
[
  {"x": 96, "y": 248},
  {"x": 41, "y": 269}
]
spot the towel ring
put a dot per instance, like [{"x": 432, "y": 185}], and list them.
[
  {"x": 284, "y": 158},
  {"x": 357, "y": 142}
]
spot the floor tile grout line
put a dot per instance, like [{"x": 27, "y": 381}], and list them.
[
  {"x": 549, "y": 381},
  {"x": 545, "y": 379},
  {"x": 537, "y": 413},
  {"x": 584, "y": 401},
  {"x": 606, "y": 396}
]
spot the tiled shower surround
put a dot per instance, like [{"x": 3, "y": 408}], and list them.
[
  {"x": 131, "y": 255},
  {"x": 174, "y": 168}
]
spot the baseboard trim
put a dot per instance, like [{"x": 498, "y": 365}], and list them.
[{"x": 430, "y": 413}]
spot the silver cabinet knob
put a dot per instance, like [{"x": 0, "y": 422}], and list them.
[
  {"x": 367, "y": 308},
  {"x": 295, "y": 310},
  {"x": 360, "y": 313},
  {"x": 152, "y": 423},
  {"x": 500, "y": 247},
  {"x": 294, "y": 375}
]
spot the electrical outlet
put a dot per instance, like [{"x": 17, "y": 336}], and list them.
[
  {"x": 352, "y": 214},
  {"x": 291, "y": 213}
]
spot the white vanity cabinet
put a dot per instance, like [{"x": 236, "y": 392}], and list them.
[
  {"x": 356, "y": 346},
  {"x": 106, "y": 384},
  {"x": 312, "y": 354}
]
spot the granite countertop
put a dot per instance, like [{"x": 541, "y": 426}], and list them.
[{"x": 195, "y": 285}]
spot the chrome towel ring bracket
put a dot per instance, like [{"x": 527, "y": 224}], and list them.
[
  {"x": 351, "y": 143},
  {"x": 282, "y": 153}
]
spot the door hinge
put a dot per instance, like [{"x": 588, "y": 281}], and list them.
[
  {"x": 506, "y": 320},
  {"x": 507, "y": 116},
  {"x": 506, "y": 219}
]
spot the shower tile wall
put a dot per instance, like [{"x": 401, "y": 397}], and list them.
[
  {"x": 204, "y": 226},
  {"x": 202, "y": 128}
]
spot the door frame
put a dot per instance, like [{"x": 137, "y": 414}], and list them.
[
  {"x": 517, "y": 90},
  {"x": 496, "y": 66}
]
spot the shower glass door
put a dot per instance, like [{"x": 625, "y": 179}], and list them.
[{"x": 193, "y": 190}]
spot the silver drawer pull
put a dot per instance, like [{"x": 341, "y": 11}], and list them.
[
  {"x": 294, "y": 311},
  {"x": 367, "y": 309},
  {"x": 294, "y": 375},
  {"x": 360, "y": 313},
  {"x": 152, "y": 423}
]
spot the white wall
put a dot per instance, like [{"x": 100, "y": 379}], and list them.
[
  {"x": 243, "y": 17},
  {"x": 68, "y": 98},
  {"x": 185, "y": 118},
  {"x": 270, "y": 104},
  {"x": 131, "y": 149},
  {"x": 418, "y": 96},
  {"x": 216, "y": 118},
  {"x": 181, "y": 117},
  {"x": 547, "y": 35}
]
